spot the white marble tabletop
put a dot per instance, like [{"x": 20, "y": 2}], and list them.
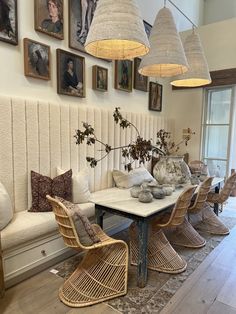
[{"x": 121, "y": 200}]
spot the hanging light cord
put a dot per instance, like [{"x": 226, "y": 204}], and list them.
[{"x": 193, "y": 24}]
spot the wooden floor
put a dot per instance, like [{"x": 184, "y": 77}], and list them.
[{"x": 210, "y": 289}]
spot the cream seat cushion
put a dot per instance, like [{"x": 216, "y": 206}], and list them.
[{"x": 26, "y": 227}]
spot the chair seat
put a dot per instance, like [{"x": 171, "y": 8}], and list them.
[
  {"x": 185, "y": 235},
  {"x": 211, "y": 223},
  {"x": 161, "y": 255}
]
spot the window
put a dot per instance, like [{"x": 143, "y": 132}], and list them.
[{"x": 217, "y": 130}]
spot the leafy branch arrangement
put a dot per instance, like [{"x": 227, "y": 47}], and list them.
[{"x": 141, "y": 149}]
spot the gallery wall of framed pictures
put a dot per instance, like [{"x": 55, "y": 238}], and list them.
[{"x": 52, "y": 51}]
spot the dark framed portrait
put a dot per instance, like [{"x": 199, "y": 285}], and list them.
[
  {"x": 100, "y": 78},
  {"x": 36, "y": 59},
  {"x": 148, "y": 28},
  {"x": 70, "y": 74},
  {"x": 140, "y": 81},
  {"x": 48, "y": 17},
  {"x": 8, "y": 21},
  {"x": 124, "y": 75},
  {"x": 81, "y": 14},
  {"x": 155, "y": 96}
]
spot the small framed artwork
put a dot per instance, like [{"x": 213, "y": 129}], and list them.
[
  {"x": 36, "y": 59},
  {"x": 148, "y": 28},
  {"x": 48, "y": 17},
  {"x": 100, "y": 78},
  {"x": 140, "y": 81},
  {"x": 70, "y": 74},
  {"x": 8, "y": 21},
  {"x": 81, "y": 14},
  {"x": 155, "y": 96},
  {"x": 124, "y": 75}
]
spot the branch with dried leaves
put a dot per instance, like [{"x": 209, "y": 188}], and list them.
[{"x": 140, "y": 149}]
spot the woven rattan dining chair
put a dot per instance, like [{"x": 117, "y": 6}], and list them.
[
  {"x": 102, "y": 274},
  {"x": 184, "y": 234},
  {"x": 210, "y": 222},
  {"x": 161, "y": 255}
]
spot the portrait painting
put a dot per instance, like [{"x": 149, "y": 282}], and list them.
[
  {"x": 70, "y": 74},
  {"x": 8, "y": 21},
  {"x": 124, "y": 75},
  {"x": 81, "y": 14},
  {"x": 148, "y": 28},
  {"x": 140, "y": 81},
  {"x": 48, "y": 17},
  {"x": 36, "y": 59},
  {"x": 155, "y": 96},
  {"x": 100, "y": 78}
]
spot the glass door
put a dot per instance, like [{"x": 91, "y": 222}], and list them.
[{"x": 217, "y": 130}]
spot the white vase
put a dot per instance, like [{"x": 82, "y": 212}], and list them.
[{"x": 171, "y": 170}]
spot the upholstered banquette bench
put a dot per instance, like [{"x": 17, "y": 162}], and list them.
[{"x": 39, "y": 136}]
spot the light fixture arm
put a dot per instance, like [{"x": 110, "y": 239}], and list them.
[{"x": 193, "y": 24}]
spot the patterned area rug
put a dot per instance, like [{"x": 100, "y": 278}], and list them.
[{"x": 160, "y": 287}]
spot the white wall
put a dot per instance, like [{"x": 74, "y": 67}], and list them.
[
  {"x": 218, "y": 10},
  {"x": 193, "y": 9},
  {"x": 13, "y": 81},
  {"x": 219, "y": 44}
]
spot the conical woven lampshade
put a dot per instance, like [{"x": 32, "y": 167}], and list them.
[
  {"x": 198, "y": 74},
  {"x": 117, "y": 31},
  {"x": 166, "y": 57}
]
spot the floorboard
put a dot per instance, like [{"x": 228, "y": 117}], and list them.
[{"x": 209, "y": 282}]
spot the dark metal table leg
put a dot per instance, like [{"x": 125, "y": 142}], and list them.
[
  {"x": 99, "y": 216},
  {"x": 216, "y": 205},
  {"x": 142, "y": 256}
]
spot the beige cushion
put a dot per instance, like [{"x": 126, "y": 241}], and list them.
[
  {"x": 6, "y": 210},
  {"x": 134, "y": 177},
  {"x": 26, "y": 227},
  {"x": 80, "y": 185}
]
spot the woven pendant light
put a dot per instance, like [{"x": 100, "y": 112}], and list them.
[
  {"x": 117, "y": 31},
  {"x": 166, "y": 57},
  {"x": 198, "y": 74}
]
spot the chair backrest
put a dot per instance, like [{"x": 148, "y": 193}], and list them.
[
  {"x": 197, "y": 166},
  {"x": 201, "y": 197},
  {"x": 227, "y": 188},
  {"x": 65, "y": 224},
  {"x": 179, "y": 211}
]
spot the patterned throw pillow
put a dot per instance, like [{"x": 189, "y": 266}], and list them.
[
  {"x": 42, "y": 185},
  {"x": 84, "y": 228}
]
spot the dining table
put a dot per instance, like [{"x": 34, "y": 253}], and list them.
[{"x": 119, "y": 202}]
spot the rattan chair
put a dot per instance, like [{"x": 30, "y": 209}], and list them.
[
  {"x": 210, "y": 222},
  {"x": 102, "y": 274},
  {"x": 185, "y": 235},
  {"x": 161, "y": 255}
]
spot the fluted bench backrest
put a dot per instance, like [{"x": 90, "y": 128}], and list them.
[{"x": 39, "y": 136}]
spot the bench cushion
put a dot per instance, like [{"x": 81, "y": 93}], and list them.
[{"x": 26, "y": 227}]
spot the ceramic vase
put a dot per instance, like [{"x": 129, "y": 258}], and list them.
[{"x": 171, "y": 170}]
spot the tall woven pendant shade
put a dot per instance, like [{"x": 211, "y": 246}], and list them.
[
  {"x": 166, "y": 57},
  {"x": 198, "y": 74},
  {"x": 117, "y": 31}
]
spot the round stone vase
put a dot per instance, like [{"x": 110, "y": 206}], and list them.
[{"x": 171, "y": 170}]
